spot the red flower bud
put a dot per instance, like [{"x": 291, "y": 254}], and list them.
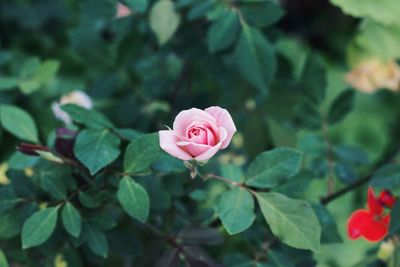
[{"x": 387, "y": 199}]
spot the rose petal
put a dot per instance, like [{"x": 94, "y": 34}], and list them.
[
  {"x": 195, "y": 149},
  {"x": 223, "y": 119},
  {"x": 214, "y": 149},
  {"x": 374, "y": 205},
  {"x": 185, "y": 118},
  {"x": 168, "y": 141}
]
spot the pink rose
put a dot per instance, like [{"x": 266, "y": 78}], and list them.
[{"x": 198, "y": 134}]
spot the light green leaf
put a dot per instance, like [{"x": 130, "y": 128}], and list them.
[
  {"x": 133, "y": 199},
  {"x": 96, "y": 149},
  {"x": 36, "y": 76},
  {"x": 3, "y": 259},
  {"x": 223, "y": 31},
  {"x": 39, "y": 227},
  {"x": 142, "y": 152},
  {"x": 383, "y": 11},
  {"x": 293, "y": 221},
  {"x": 255, "y": 58},
  {"x": 7, "y": 83},
  {"x": 90, "y": 118},
  {"x": 71, "y": 219},
  {"x": 18, "y": 122},
  {"x": 236, "y": 210},
  {"x": 164, "y": 20},
  {"x": 97, "y": 241},
  {"x": 272, "y": 168}
]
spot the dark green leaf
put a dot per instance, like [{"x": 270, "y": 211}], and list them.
[
  {"x": 345, "y": 173},
  {"x": 273, "y": 167},
  {"x": 297, "y": 186},
  {"x": 141, "y": 153},
  {"x": 261, "y": 14},
  {"x": 133, "y": 199},
  {"x": 313, "y": 79},
  {"x": 329, "y": 228},
  {"x": 254, "y": 58},
  {"x": 350, "y": 155},
  {"x": 307, "y": 116},
  {"x": 7, "y": 83},
  {"x": 169, "y": 258},
  {"x": 71, "y": 219},
  {"x": 205, "y": 236},
  {"x": 18, "y": 122},
  {"x": 8, "y": 199},
  {"x": 39, "y": 227},
  {"x": 97, "y": 241},
  {"x": 232, "y": 172},
  {"x": 89, "y": 201},
  {"x": 200, "y": 9},
  {"x": 387, "y": 177},
  {"x": 236, "y": 210},
  {"x": 395, "y": 219},
  {"x": 96, "y": 149},
  {"x": 223, "y": 31},
  {"x": 341, "y": 106},
  {"x": 90, "y": 118},
  {"x": 293, "y": 221},
  {"x": 138, "y": 5}
]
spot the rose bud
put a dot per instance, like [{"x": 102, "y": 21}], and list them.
[
  {"x": 387, "y": 199},
  {"x": 198, "y": 134}
]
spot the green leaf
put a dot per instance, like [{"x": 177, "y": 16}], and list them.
[
  {"x": 328, "y": 224},
  {"x": 232, "y": 172},
  {"x": 297, "y": 186},
  {"x": 90, "y": 118},
  {"x": 54, "y": 185},
  {"x": 18, "y": 122},
  {"x": 133, "y": 199},
  {"x": 307, "y": 116},
  {"x": 255, "y": 58},
  {"x": 395, "y": 219},
  {"x": 383, "y": 11},
  {"x": 7, "y": 83},
  {"x": 164, "y": 20},
  {"x": 71, "y": 219},
  {"x": 3, "y": 259},
  {"x": 200, "y": 9},
  {"x": 89, "y": 201},
  {"x": 142, "y": 152},
  {"x": 35, "y": 75},
  {"x": 223, "y": 31},
  {"x": 341, "y": 106},
  {"x": 293, "y": 221},
  {"x": 261, "y": 14},
  {"x": 313, "y": 79},
  {"x": 137, "y": 5},
  {"x": 39, "y": 227},
  {"x": 97, "y": 241},
  {"x": 96, "y": 149},
  {"x": 272, "y": 168},
  {"x": 236, "y": 210},
  {"x": 387, "y": 177},
  {"x": 8, "y": 199}
]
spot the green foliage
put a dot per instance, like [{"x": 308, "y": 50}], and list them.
[
  {"x": 18, "y": 122},
  {"x": 341, "y": 106},
  {"x": 387, "y": 177},
  {"x": 223, "y": 31},
  {"x": 274, "y": 167},
  {"x": 138, "y": 5},
  {"x": 97, "y": 241},
  {"x": 141, "y": 153},
  {"x": 39, "y": 227},
  {"x": 71, "y": 219},
  {"x": 3, "y": 259},
  {"x": 133, "y": 199},
  {"x": 164, "y": 21},
  {"x": 96, "y": 149},
  {"x": 89, "y": 118},
  {"x": 236, "y": 210},
  {"x": 293, "y": 221},
  {"x": 255, "y": 59}
]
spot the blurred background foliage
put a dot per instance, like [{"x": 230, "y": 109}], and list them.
[{"x": 279, "y": 67}]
